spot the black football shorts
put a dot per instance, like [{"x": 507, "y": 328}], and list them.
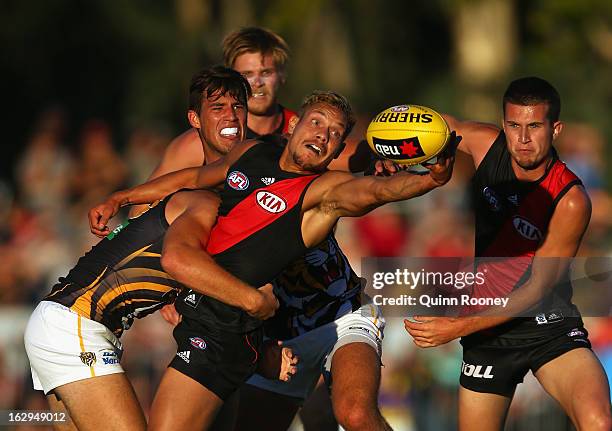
[
  {"x": 498, "y": 365},
  {"x": 218, "y": 360}
]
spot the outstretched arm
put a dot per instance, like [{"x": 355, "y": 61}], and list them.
[
  {"x": 345, "y": 195},
  {"x": 208, "y": 176},
  {"x": 185, "y": 259},
  {"x": 551, "y": 262},
  {"x": 339, "y": 194},
  {"x": 147, "y": 193}
]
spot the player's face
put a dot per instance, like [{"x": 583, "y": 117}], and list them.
[
  {"x": 318, "y": 137},
  {"x": 529, "y": 135},
  {"x": 223, "y": 122},
  {"x": 265, "y": 80}
]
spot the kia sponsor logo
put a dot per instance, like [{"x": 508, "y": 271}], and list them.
[
  {"x": 476, "y": 371},
  {"x": 237, "y": 180},
  {"x": 526, "y": 228},
  {"x": 271, "y": 202}
]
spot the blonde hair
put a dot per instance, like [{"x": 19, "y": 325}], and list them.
[
  {"x": 255, "y": 39},
  {"x": 334, "y": 99}
]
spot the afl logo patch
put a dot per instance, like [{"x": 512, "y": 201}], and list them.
[
  {"x": 237, "y": 180},
  {"x": 270, "y": 202},
  {"x": 198, "y": 343},
  {"x": 526, "y": 229},
  {"x": 400, "y": 108},
  {"x": 491, "y": 199}
]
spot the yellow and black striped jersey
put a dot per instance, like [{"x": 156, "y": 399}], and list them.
[{"x": 121, "y": 277}]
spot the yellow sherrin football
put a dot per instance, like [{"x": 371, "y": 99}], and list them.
[{"x": 408, "y": 134}]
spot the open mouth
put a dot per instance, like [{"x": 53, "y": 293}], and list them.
[
  {"x": 316, "y": 149},
  {"x": 258, "y": 94},
  {"x": 229, "y": 132}
]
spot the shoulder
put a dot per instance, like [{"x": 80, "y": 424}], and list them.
[
  {"x": 575, "y": 203},
  {"x": 184, "y": 151},
  {"x": 568, "y": 224},
  {"x": 188, "y": 141}
]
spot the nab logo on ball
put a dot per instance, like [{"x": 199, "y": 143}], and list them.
[
  {"x": 270, "y": 202},
  {"x": 237, "y": 180},
  {"x": 402, "y": 149},
  {"x": 408, "y": 134}
]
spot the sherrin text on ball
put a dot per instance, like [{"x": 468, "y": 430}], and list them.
[{"x": 408, "y": 134}]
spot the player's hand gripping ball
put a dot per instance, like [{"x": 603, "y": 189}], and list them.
[{"x": 408, "y": 134}]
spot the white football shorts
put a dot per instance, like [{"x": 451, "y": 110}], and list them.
[
  {"x": 64, "y": 347},
  {"x": 316, "y": 349}
]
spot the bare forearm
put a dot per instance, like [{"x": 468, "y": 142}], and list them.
[
  {"x": 522, "y": 301},
  {"x": 357, "y": 197},
  {"x": 157, "y": 188},
  {"x": 403, "y": 186},
  {"x": 197, "y": 270},
  {"x": 519, "y": 302}
]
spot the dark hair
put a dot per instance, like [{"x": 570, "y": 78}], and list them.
[
  {"x": 533, "y": 91},
  {"x": 255, "y": 39},
  {"x": 217, "y": 79},
  {"x": 333, "y": 99}
]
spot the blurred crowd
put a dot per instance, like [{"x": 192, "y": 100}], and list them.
[{"x": 43, "y": 230}]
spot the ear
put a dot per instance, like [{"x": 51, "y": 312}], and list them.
[
  {"x": 292, "y": 123},
  {"x": 340, "y": 149},
  {"x": 557, "y": 128},
  {"x": 194, "y": 119}
]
